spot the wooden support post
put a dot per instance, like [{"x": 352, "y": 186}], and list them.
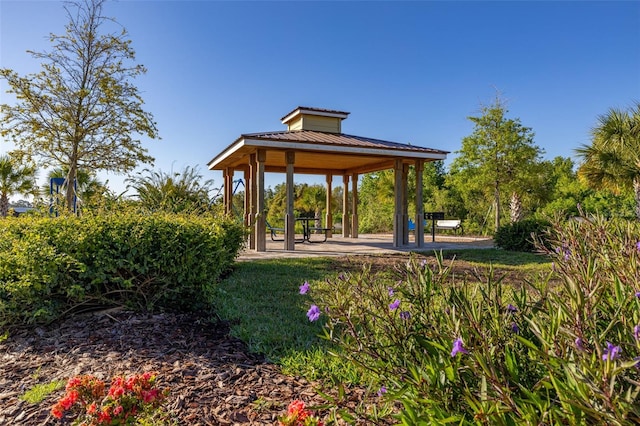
[
  {"x": 405, "y": 204},
  {"x": 345, "y": 206},
  {"x": 228, "y": 190},
  {"x": 397, "y": 205},
  {"x": 289, "y": 219},
  {"x": 354, "y": 205},
  {"x": 261, "y": 229},
  {"x": 419, "y": 230},
  {"x": 252, "y": 190},
  {"x": 329, "y": 215}
]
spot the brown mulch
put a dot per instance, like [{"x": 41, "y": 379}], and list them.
[{"x": 212, "y": 378}]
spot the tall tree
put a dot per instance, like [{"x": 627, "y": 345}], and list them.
[
  {"x": 81, "y": 110},
  {"x": 88, "y": 187},
  {"x": 14, "y": 179},
  {"x": 497, "y": 158},
  {"x": 612, "y": 161}
]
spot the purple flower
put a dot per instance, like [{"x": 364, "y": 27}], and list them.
[
  {"x": 405, "y": 315},
  {"x": 638, "y": 246},
  {"x": 341, "y": 276},
  {"x": 637, "y": 364},
  {"x": 393, "y": 306},
  {"x": 636, "y": 332},
  {"x": 612, "y": 352},
  {"x": 579, "y": 344},
  {"x": 515, "y": 328},
  {"x": 458, "y": 347},
  {"x": 304, "y": 288},
  {"x": 511, "y": 308},
  {"x": 382, "y": 390},
  {"x": 637, "y": 293},
  {"x": 313, "y": 313},
  {"x": 391, "y": 291}
]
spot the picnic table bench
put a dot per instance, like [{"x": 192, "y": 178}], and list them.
[{"x": 307, "y": 231}]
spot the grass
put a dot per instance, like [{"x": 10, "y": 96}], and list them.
[
  {"x": 39, "y": 392},
  {"x": 500, "y": 258},
  {"x": 262, "y": 304}
]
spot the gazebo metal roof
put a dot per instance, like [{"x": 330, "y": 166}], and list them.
[{"x": 321, "y": 152}]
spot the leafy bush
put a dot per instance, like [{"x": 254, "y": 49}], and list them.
[
  {"x": 521, "y": 236},
  {"x": 564, "y": 350},
  {"x": 52, "y": 265}
]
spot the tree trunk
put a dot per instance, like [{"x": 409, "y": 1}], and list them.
[
  {"x": 515, "y": 208},
  {"x": 496, "y": 202},
  {"x": 4, "y": 205},
  {"x": 70, "y": 194},
  {"x": 636, "y": 193}
]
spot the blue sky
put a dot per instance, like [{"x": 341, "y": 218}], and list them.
[{"x": 407, "y": 71}]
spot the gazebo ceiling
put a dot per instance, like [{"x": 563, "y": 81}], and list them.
[{"x": 319, "y": 152}]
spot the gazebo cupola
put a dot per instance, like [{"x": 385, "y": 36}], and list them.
[{"x": 320, "y": 120}]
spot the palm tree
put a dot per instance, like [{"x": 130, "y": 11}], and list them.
[
  {"x": 14, "y": 179},
  {"x": 172, "y": 192},
  {"x": 612, "y": 161}
]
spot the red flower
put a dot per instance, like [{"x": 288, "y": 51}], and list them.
[
  {"x": 57, "y": 411},
  {"x": 104, "y": 416},
  {"x": 150, "y": 396},
  {"x": 296, "y": 408}
]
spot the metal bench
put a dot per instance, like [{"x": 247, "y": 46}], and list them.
[
  {"x": 450, "y": 224},
  {"x": 274, "y": 232}
]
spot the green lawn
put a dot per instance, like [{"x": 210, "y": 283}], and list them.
[{"x": 262, "y": 304}]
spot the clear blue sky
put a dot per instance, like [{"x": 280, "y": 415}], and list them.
[{"x": 407, "y": 71}]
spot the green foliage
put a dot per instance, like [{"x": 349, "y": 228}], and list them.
[
  {"x": 521, "y": 236},
  {"x": 376, "y": 196},
  {"x": 183, "y": 192},
  {"x": 554, "y": 352},
  {"x": 82, "y": 110},
  {"x": 14, "y": 179},
  {"x": 52, "y": 266},
  {"x": 39, "y": 392},
  {"x": 496, "y": 160},
  {"x": 612, "y": 161}
]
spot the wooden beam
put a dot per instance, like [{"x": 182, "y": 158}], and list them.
[
  {"x": 354, "y": 205},
  {"x": 261, "y": 228},
  {"x": 419, "y": 230},
  {"x": 397, "y": 210},
  {"x": 345, "y": 206},
  {"x": 329, "y": 214},
  {"x": 305, "y": 170},
  {"x": 405, "y": 204},
  {"x": 252, "y": 189},
  {"x": 289, "y": 219}
]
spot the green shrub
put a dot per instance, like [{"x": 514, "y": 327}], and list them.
[
  {"x": 161, "y": 261},
  {"x": 521, "y": 236},
  {"x": 564, "y": 350}
]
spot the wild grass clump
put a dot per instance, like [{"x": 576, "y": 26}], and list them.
[
  {"x": 561, "y": 351},
  {"x": 52, "y": 266}
]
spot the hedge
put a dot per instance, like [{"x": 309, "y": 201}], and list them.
[{"x": 51, "y": 266}]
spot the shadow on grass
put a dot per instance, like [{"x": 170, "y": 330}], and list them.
[
  {"x": 497, "y": 257},
  {"x": 261, "y": 300}
]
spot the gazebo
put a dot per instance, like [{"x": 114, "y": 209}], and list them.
[{"x": 314, "y": 144}]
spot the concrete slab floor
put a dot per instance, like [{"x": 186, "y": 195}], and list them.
[{"x": 369, "y": 244}]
